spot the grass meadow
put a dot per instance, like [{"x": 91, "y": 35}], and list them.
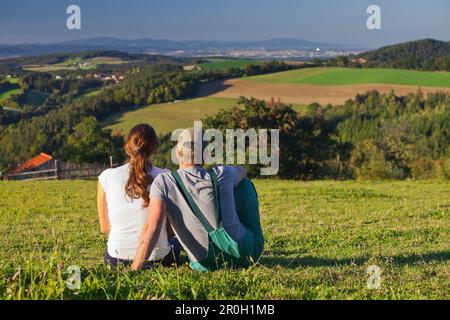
[
  {"x": 166, "y": 117},
  {"x": 320, "y": 239},
  {"x": 352, "y": 76},
  {"x": 89, "y": 93}
]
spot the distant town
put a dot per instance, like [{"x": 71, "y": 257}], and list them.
[{"x": 305, "y": 54}]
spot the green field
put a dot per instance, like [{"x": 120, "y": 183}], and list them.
[
  {"x": 13, "y": 80},
  {"x": 166, "y": 117},
  {"x": 92, "y": 92},
  {"x": 223, "y": 64},
  {"x": 320, "y": 239},
  {"x": 89, "y": 93},
  {"x": 6, "y": 94},
  {"x": 350, "y": 76}
]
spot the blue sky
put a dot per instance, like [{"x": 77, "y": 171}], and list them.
[{"x": 331, "y": 21}]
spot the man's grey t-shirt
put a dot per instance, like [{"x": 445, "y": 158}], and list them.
[{"x": 187, "y": 227}]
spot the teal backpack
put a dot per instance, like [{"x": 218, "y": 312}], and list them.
[{"x": 222, "y": 249}]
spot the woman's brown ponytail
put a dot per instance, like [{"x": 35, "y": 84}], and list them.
[{"x": 141, "y": 143}]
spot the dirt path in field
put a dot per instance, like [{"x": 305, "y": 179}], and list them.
[{"x": 301, "y": 93}]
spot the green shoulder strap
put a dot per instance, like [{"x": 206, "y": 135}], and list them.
[
  {"x": 187, "y": 196},
  {"x": 215, "y": 184}
]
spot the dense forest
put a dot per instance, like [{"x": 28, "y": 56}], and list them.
[
  {"x": 391, "y": 137},
  {"x": 374, "y": 136},
  {"x": 425, "y": 55}
]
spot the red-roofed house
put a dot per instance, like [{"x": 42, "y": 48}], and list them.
[
  {"x": 36, "y": 163},
  {"x": 45, "y": 167}
]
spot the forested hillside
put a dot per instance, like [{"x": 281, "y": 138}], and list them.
[{"x": 425, "y": 54}]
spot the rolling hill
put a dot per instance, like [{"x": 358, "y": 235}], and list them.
[{"x": 425, "y": 54}]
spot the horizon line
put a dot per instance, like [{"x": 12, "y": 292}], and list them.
[{"x": 181, "y": 41}]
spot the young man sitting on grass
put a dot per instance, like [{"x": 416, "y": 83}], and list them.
[{"x": 214, "y": 214}]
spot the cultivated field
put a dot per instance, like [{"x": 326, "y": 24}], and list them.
[
  {"x": 329, "y": 85},
  {"x": 320, "y": 239}
]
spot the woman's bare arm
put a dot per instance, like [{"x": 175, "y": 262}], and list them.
[
  {"x": 102, "y": 209},
  {"x": 150, "y": 232}
]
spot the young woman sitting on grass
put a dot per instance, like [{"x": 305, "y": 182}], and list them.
[
  {"x": 122, "y": 201},
  {"x": 215, "y": 214}
]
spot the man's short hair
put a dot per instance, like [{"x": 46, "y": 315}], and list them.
[{"x": 186, "y": 142}]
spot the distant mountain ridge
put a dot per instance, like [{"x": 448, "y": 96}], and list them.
[
  {"x": 143, "y": 45},
  {"x": 426, "y": 54}
]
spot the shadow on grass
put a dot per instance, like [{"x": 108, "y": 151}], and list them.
[
  {"x": 271, "y": 261},
  {"x": 210, "y": 88},
  {"x": 114, "y": 118}
]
